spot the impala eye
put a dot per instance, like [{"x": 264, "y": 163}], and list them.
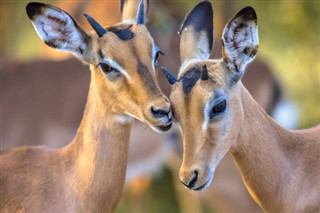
[
  {"x": 106, "y": 68},
  {"x": 219, "y": 108}
]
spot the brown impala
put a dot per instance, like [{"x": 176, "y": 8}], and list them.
[
  {"x": 88, "y": 175},
  {"x": 216, "y": 113}
]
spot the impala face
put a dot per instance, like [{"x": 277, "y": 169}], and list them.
[
  {"x": 122, "y": 57},
  {"x": 206, "y": 97}
]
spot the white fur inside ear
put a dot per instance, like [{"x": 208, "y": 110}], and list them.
[
  {"x": 58, "y": 30},
  {"x": 241, "y": 43},
  {"x": 202, "y": 46},
  {"x": 193, "y": 48}
]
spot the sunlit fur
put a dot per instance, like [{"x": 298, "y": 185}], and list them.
[
  {"x": 279, "y": 167},
  {"x": 201, "y": 137},
  {"x": 135, "y": 92},
  {"x": 87, "y": 175}
]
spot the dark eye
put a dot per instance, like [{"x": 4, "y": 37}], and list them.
[
  {"x": 218, "y": 108},
  {"x": 106, "y": 68}
]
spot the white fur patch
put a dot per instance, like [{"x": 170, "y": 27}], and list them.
[
  {"x": 115, "y": 65},
  {"x": 124, "y": 119},
  {"x": 155, "y": 49},
  {"x": 207, "y": 109},
  {"x": 58, "y": 28}
]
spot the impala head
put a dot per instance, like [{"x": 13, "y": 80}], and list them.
[
  {"x": 205, "y": 98},
  {"x": 122, "y": 57}
]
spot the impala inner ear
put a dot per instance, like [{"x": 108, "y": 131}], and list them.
[
  {"x": 240, "y": 41},
  {"x": 58, "y": 29},
  {"x": 197, "y": 33}
]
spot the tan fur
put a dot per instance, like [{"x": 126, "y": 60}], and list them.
[
  {"x": 279, "y": 167},
  {"x": 88, "y": 175}
]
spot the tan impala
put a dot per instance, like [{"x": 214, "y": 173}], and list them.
[
  {"x": 280, "y": 167},
  {"x": 88, "y": 175}
]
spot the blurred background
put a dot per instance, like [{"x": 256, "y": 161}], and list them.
[{"x": 43, "y": 92}]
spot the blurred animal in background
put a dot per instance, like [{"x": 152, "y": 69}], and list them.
[
  {"x": 43, "y": 102},
  {"x": 217, "y": 114},
  {"x": 88, "y": 175}
]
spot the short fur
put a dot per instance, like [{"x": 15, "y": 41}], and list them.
[
  {"x": 279, "y": 167},
  {"x": 87, "y": 175}
]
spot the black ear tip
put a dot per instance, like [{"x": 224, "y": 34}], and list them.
[
  {"x": 201, "y": 16},
  {"x": 33, "y": 9},
  {"x": 204, "y": 6},
  {"x": 247, "y": 13}
]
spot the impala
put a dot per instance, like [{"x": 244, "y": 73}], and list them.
[
  {"x": 280, "y": 167},
  {"x": 88, "y": 175}
]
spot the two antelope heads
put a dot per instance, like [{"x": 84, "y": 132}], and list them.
[
  {"x": 206, "y": 98},
  {"x": 122, "y": 58}
]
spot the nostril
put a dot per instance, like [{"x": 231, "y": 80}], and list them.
[
  {"x": 159, "y": 113},
  {"x": 193, "y": 180}
]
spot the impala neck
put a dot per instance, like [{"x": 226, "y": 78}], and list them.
[
  {"x": 99, "y": 156},
  {"x": 266, "y": 155}
]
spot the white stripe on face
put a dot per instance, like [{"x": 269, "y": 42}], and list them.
[
  {"x": 116, "y": 66},
  {"x": 155, "y": 49},
  {"x": 213, "y": 98}
]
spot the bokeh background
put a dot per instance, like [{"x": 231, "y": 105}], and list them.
[{"x": 43, "y": 91}]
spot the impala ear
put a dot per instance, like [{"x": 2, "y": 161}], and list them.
[
  {"x": 240, "y": 42},
  {"x": 57, "y": 29},
  {"x": 130, "y": 11},
  {"x": 197, "y": 33}
]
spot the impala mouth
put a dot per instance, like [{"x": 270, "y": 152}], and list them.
[
  {"x": 162, "y": 128},
  {"x": 166, "y": 126},
  {"x": 204, "y": 186}
]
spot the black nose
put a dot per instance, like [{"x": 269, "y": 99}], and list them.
[
  {"x": 193, "y": 181},
  {"x": 159, "y": 113}
]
